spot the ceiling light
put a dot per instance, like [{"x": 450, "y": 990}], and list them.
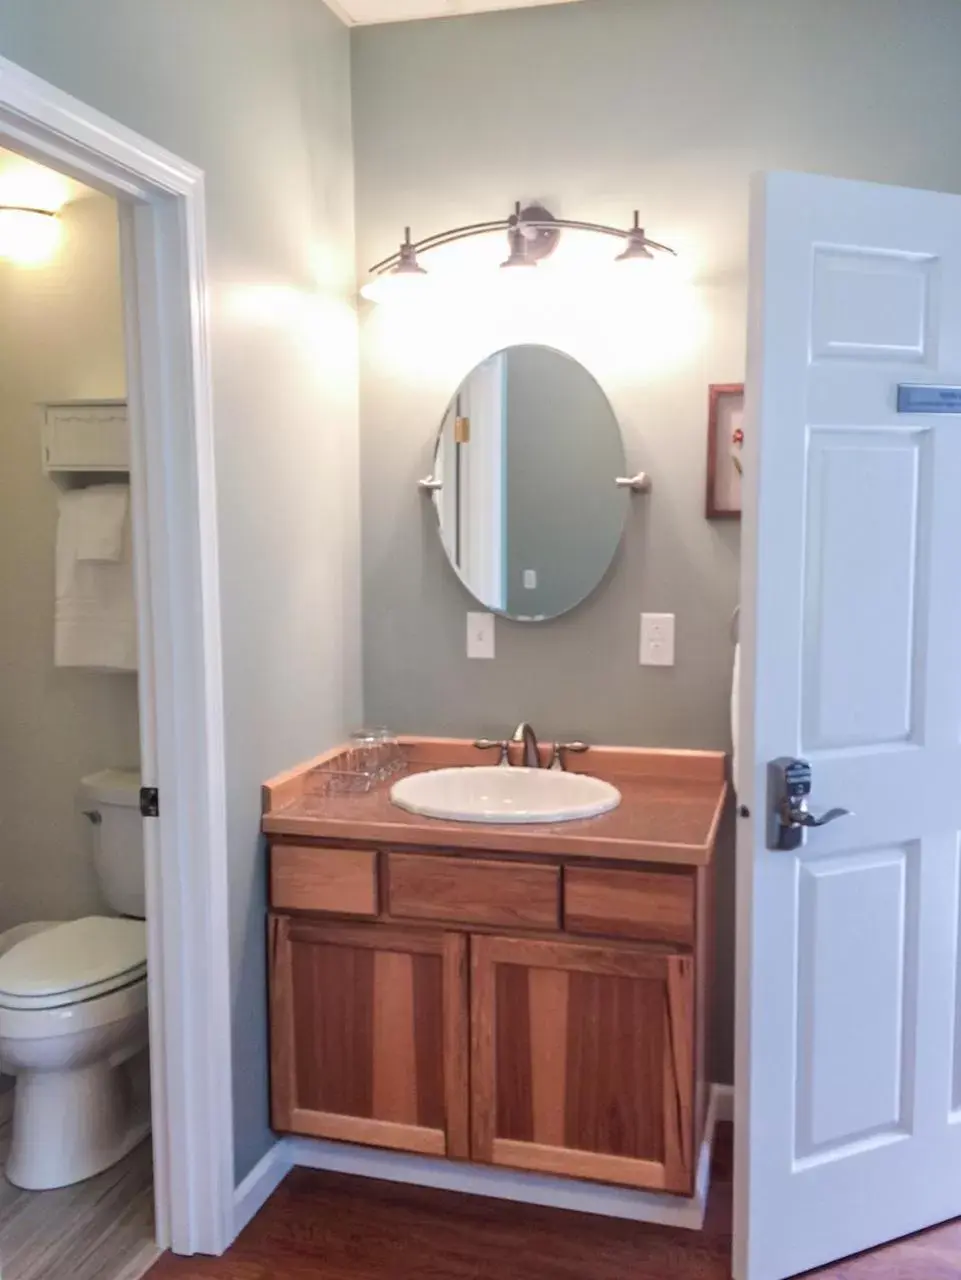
[
  {"x": 636, "y": 249},
  {"x": 532, "y": 234},
  {"x": 519, "y": 256},
  {"x": 28, "y": 237},
  {"x": 404, "y": 276}
]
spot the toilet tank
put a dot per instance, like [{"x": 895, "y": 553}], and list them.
[{"x": 111, "y": 800}]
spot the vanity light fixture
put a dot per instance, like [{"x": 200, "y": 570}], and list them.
[
  {"x": 28, "y": 236},
  {"x": 533, "y": 234}
]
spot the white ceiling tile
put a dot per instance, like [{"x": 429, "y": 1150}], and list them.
[{"x": 362, "y": 12}]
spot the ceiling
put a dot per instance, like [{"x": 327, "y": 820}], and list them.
[{"x": 362, "y": 12}]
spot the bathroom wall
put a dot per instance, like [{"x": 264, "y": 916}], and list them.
[
  {"x": 255, "y": 92},
  {"x": 595, "y": 109},
  {"x": 60, "y": 339}
]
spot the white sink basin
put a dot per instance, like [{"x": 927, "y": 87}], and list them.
[{"x": 501, "y": 795}]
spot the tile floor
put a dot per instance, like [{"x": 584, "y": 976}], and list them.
[{"x": 101, "y": 1229}]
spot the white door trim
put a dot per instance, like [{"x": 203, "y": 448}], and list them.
[{"x": 181, "y": 699}]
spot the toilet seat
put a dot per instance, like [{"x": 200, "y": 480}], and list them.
[{"x": 72, "y": 963}]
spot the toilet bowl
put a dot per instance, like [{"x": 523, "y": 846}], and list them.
[
  {"x": 73, "y": 1031},
  {"x": 73, "y": 1013}
]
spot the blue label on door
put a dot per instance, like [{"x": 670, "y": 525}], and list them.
[{"x": 919, "y": 397}]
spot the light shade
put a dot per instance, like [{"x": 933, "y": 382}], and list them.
[
  {"x": 519, "y": 256},
  {"x": 404, "y": 279},
  {"x": 636, "y": 249},
  {"x": 28, "y": 237},
  {"x": 394, "y": 284}
]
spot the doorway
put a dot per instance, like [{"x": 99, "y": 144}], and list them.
[{"x": 161, "y": 219}]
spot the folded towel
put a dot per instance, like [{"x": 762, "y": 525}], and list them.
[
  {"x": 95, "y": 619},
  {"x": 100, "y": 519}
]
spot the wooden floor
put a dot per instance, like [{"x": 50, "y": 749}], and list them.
[
  {"x": 321, "y": 1226},
  {"x": 101, "y": 1229}
]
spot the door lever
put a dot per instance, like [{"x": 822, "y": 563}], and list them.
[
  {"x": 789, "y": 785},
  {"x": 800, "y": 816}
]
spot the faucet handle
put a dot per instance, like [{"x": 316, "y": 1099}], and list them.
[
  {"x": 489, "y": 744},
  {"x": 559, "y": 748}
]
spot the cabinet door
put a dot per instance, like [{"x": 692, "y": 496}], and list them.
[
  {"x": 582, "y": 1061},
  {"x": 369, "y": 1034}
]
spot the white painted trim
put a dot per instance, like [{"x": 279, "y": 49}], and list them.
[
  {"x": 260, "y": 1184},
  {"x": 723, "y": 1103},
  {"x": 482, "y": 1180},
  {"x": 174, "y": 501}
]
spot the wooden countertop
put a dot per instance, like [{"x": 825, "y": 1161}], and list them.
[{"x": 670, "y": 809}]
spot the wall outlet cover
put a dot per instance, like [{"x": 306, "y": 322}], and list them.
[
  {"x": 480, "y": 635},
  {"x": 657, "y": 640}
]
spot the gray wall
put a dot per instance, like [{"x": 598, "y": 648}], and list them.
[
  {"x": 596, "y": 108},
  {"x": 563, "y": 450},
  {"x": 256, "y": 92},
  {"x": 61, "y": 338}
]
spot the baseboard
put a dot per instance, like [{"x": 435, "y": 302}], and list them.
[
  {"x": 502, "y": 1184},
  {"x": 259, "y": 1185},
  {"x": 724, "y": 1102}
]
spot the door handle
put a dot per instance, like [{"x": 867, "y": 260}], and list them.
[
  {"x": 789, "y": 785},
  {"x": 801, "y": 816}
]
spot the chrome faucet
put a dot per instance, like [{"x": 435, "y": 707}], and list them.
[{"x": 532, "y": 756}]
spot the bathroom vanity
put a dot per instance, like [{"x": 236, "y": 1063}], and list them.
[{"x": 530, "y": 996}]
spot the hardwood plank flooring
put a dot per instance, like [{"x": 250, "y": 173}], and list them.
[
  {"x": 101, "y": 1229},
  {"x": 321, "y": 1226}
]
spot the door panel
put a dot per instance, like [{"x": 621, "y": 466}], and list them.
[
  {"x": 873, "y": 305},
  {"x": 583, "y": 1061},
  {"x": 848, "y": 1131},
  {"x": 370, "y": 1035},
  {"x": 861, "y": 586},
  {"x": 856, "y": 1022}
]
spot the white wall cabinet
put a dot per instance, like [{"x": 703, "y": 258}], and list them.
[{"x": 85, "y": 435}]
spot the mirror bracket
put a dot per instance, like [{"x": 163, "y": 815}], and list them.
[{"x": 641, "y": 483}]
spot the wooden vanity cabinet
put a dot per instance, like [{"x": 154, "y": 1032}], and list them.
[
  {"x": 582, "y": 1061},
  {"x": 479, "y": 1012},
  {"x": 369, "y": 1034}
]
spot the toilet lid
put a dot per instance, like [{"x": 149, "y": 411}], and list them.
[{"x": 74, "y": 957}]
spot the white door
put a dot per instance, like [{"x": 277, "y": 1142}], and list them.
[{"x": 848, "y": 1070}]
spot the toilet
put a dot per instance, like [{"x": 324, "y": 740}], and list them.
[{"x": 73, "y": 1012}]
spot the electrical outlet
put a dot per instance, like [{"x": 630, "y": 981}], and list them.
[
  {"x": 480, "y": 635},
  {"x": 657, "y": 640},
  {"x": 530, "y": 579}
]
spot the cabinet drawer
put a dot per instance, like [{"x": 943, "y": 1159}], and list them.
[
  {"x": 648, "y": 905},
  {"x": 312, "y": 879},
  {"x": 473, "y": 892}
]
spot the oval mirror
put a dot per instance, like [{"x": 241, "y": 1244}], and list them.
[{"x": 524, "y": 467}]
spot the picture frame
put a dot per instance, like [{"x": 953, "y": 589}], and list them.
[{"x": 725, "y": 436}]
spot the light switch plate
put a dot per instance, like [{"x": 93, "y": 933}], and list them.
[
  {"x": 657, "y": 640},
  {"x": 480, "y": 635},
  {"x": 530, "y": 579}
]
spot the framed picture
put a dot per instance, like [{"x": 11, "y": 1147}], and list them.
[{"x": 725, "y": 438}]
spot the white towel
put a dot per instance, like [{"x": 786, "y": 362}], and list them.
[
  {"x": 95, "y": 619},
  {"x": 735, "y": 699},
  {"x": 101, "y": 519}
]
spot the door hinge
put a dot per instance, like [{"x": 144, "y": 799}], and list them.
[{"x": 149, "y": 802}]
